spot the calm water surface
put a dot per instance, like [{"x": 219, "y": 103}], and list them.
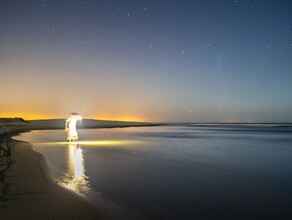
[{"x": 176, "y": 172}]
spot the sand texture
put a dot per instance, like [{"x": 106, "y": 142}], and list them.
[{"x": 31, "y": 194}]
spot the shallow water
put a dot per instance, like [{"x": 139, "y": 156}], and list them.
[{"x": 176, "y": 172}]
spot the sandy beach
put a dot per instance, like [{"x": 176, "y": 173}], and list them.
[
  {"x": 26, "y": 189},
  {"x": 31, "y": 194}
]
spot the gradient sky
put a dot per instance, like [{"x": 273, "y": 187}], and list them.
[{"x": 147, "y": 60}]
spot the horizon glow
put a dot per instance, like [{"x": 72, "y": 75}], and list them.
[{"x": 154, "y": 61}]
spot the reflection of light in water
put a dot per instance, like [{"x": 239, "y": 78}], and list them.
[
  {"x": 75, "y": 179},
  {"x": 78, "y": 165},
  {"x": 95, "y": 143}
]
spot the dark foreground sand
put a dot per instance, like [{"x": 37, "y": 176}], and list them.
[{"x": 31, "y": 194}]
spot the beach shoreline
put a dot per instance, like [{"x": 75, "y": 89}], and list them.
[{"x": 27, "y": 190}]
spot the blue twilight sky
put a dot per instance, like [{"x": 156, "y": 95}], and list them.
[{"x": 176, "y": 60}]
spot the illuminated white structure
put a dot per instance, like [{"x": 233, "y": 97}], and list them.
[{"x": 70, "y": 127}]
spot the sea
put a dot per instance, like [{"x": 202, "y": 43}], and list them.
[{"x": 179, "y": 171}]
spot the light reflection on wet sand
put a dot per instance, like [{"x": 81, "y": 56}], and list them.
[{"x": 75, "y": 178}]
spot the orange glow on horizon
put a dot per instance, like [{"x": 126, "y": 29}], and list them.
[
  {"x": 28, "y": 116},
  {"x": 120, "y": 118}
]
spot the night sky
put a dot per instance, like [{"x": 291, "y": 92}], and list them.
[{"x": 167, "y": 61}]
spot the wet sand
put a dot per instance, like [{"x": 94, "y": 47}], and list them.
[
  {"x": 31, "y": 194},
  {"x": 26, "y": 189}
]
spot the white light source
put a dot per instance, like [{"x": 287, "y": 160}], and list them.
[{"x": 70, "y": 127}]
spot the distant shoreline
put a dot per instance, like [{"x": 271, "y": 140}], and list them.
[{"x": 15, "y": 125}]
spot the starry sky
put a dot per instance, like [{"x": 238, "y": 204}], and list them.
[{"x": 147, "y": 60}]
